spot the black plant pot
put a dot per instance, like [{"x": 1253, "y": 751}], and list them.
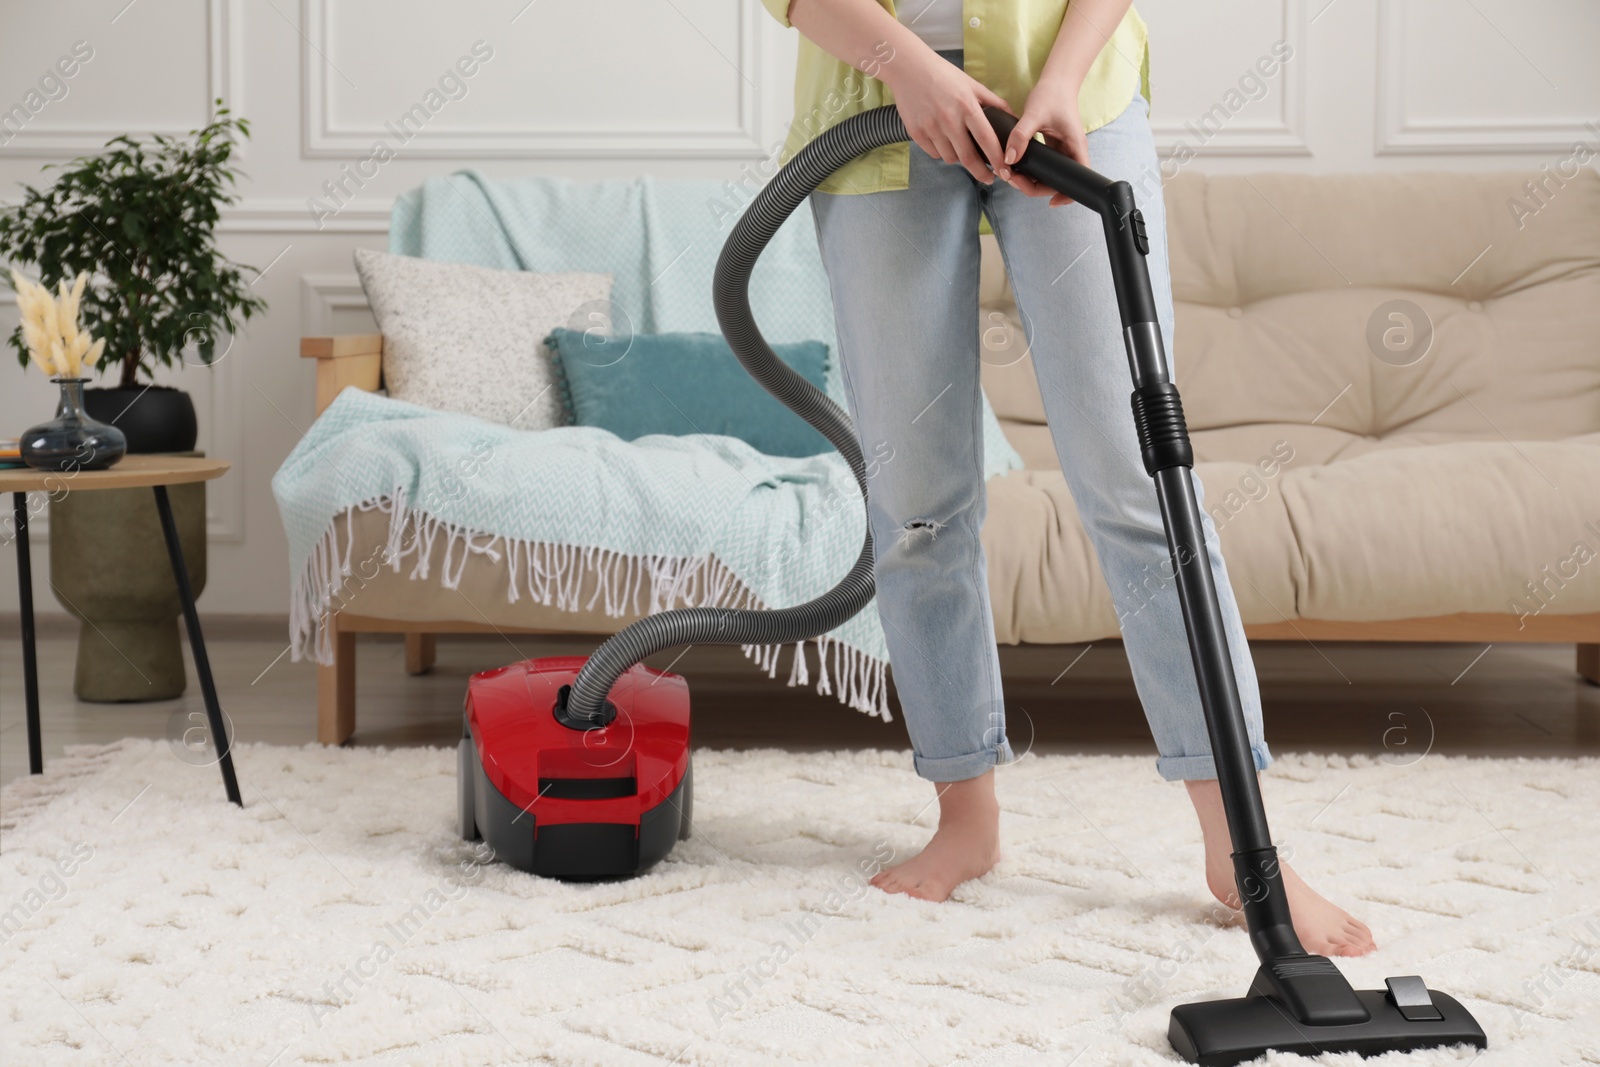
[{"x": 157, "y": 418}]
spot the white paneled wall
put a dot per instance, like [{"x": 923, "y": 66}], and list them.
[{"x": 355, "y": 101}]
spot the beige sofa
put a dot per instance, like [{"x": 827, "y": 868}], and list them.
[{"x": 1456, "y": 498}]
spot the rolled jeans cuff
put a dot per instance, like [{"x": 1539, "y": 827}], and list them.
[
  {"x": 960, "y": 768},
  {"x": 1195, "y": 768}
]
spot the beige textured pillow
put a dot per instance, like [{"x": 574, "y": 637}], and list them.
[{"x": 470, "y": 339}]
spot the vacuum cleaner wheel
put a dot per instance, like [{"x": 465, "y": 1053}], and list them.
[
  {"x": 686, "y": 802},
  {"x": 466, "y": 809}
]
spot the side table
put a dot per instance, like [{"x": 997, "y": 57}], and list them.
[{"x": 133, "y": 472}]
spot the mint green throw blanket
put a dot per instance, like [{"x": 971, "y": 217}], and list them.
[{"x": 662, "y": 521}]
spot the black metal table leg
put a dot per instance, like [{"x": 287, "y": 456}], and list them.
[
  {"x": 30, "y": 659},
  {"x": 197, "y": 646}
]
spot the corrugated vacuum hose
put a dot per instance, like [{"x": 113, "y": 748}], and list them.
[{"x": 730, "y": 291}]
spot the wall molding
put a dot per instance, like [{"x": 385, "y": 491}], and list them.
[
  {"x": 222, "y": 423},
  {"x": 321, "y": 295},
  {"x": 224, "y": 78},
  {"x": 323, "y": 137},
  {"x": 1397, "y": 134},
  {"x": 287, "y": 215},
  {"x": 1284, "y": 137},
  {"x": 262, "y": 214}
]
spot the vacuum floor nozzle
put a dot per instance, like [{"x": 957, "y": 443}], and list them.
[{"x": 1221, "y": 1033}]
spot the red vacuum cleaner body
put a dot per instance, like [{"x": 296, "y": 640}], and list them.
[{"x": 567, "y": 799}]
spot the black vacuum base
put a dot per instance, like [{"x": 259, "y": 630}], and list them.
[
  {"x": 571, "y": 852},
  {"x": 1220, "y": 1033}
]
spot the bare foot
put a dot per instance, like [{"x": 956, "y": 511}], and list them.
[
  {"x": 1324, "y": 928},
  {"x": 965, "y": 846}
]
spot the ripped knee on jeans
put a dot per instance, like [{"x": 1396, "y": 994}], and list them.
[{"x": 931, "y": 527}]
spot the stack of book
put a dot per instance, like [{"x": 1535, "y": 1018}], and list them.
[{"x": 10, "y": 453}]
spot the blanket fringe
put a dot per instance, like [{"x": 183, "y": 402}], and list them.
[{"x": 553, "y": 575}]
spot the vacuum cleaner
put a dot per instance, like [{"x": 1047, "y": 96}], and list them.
[{"x": 579, "y": 767}]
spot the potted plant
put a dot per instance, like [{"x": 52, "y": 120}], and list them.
[{"x": 139, "y": 221}]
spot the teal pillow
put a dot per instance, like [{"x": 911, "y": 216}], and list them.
[{"x": 683, "y": 383}]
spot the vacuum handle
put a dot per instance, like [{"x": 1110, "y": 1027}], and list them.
[
  {"x": 1126, "y": 239},
  {"x": 1057, "y": 170}
]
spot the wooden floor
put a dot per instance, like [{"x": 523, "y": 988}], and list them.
[{"x": 1390, "y": 701}]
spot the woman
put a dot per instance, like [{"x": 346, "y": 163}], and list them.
[{"x": 898, "y": 230}]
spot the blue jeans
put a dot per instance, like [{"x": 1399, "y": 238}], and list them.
[{"x": 903, "y": 269}]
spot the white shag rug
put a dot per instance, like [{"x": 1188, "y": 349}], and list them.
[{"x": 338, "y": 918}]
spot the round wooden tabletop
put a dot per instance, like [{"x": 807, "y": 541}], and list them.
[{"x": 131, "y": 472}]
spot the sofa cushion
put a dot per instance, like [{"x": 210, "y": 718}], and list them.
[
  {"x": 681, "y": 384},
  {"x": 462, "y": 338},
  {"x": 1460, "y": 527},
  {"x": 1279, "y": 278},
  {"x": 1045, "y": 583},
  {"x": 1408, "y": 533}
]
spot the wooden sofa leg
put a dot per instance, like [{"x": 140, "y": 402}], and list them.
[
  {"x": 1589, "y": 663},
  {"x": 336, "y": 692},
  {"x": 420, "y": 653}
]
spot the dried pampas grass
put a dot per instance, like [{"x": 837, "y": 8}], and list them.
[{"x": 56, "y": 344}]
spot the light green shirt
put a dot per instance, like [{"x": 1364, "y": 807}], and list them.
[{"x": 1005, "y": 44}]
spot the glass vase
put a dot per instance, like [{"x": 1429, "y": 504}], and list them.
[{"x": 72, "y": 441}]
